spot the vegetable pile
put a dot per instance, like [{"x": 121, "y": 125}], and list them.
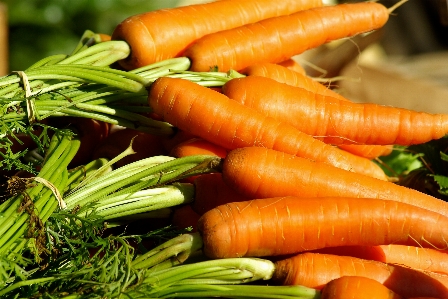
[{"x": 188, "y": 155}]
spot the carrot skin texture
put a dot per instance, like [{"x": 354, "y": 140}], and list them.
[
  {"x": 158, "y": 35},
  {"x": 334, "y": 120},
  {"x": 427, "y": 259},
  {"x": 356, "y": 287},
  {"x": 369, "y": 151},
  {"x": 258, "y": 172},
  {"x": 316, "y": 270},
  {"x": 282, "y": 74},
  {"x": 222, "y": 121},
  {"x": 288, "y": 225},
  {"x": 211, "y": 191},
  {"x": 279, "y": 38}
]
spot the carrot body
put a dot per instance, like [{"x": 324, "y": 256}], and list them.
[
  {"x": 279, "y": 38},
  {"x": 336, "y": 121},
  {"x": 197, "y": 146},
  {"x": 369, "y": 151},
  {"x": 293, "y": 65},
  {"x": 211, "y": 191},
  {"x": 162, "y": 34},
  {"x": 316, "y": 270},
  {"x": 427, "y": 259},
  {"x": 285, "y": 75},
  {"x": 356, "y": 287},
  {"x": 258, "y": 172},
  {"x": 290, "y": 224},
  {"x": 214, "y": 117}
]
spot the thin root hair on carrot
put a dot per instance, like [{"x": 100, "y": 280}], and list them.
[{"x": 396, "y": 5}]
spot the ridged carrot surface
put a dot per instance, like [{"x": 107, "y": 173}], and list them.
[
  {"x": 279, "y": 38},
  {"x": 291, "y": 224},
  {"x": 315, "y": 270},
  {"x": 334, "y": 120},
  {"x": 258, "y": 172},
  {"x": 161, "y": 34},
  {"x": 216, "y": 118}
]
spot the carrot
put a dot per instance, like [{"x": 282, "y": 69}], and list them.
[
  {"x": 288, "y": 225},
  {"x": 369, "y": 151},
  {"x": 197, "y": 146},
  {"x": 427, "y": 259},
  {"x": 258, "y": 172},
  {"x": 211, "y": 191},
  {"x": 293, "y": 65},
  {"x": 316, "y": 270},
  {"x": 158, "y": 35},
  {"x": 214, "y": 117},
  {"x": 170, "y": 142},
  {"x": 104, "y": 37},
  {"x": 356, "y": 287},
  {"x": 335, "y": 120},
  {"x": 279, "y": 38},
  {"x": 282, "y": 74}
]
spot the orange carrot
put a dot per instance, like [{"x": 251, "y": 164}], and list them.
[
  {"x": 279, "y": 38},
  {"x": 179, "y": 136},
  {"x": 214, "y": 117},
  {"x": 211, "y": 191},
  {"x": 197, "y": 146},
  {"x": 335, "y": 120},
  {"x": 293, "y": 65},
  {"x": 104, "y": 37},
  {"x": 162, "y": 34},
  {"x": 258, "y": 172},
  {"x": 356, "y": 287},
  {"x": 316, "y": 270},
  {"x": 284, "y": 75},
  {"x": 427, "y": 259},
  {"x": 369, "y": 151},
  {"x": 287, "y": 225}
]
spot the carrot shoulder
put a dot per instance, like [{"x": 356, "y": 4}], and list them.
[
  {"x": 336, "y": 121},
  {"x": 288, "y": 225},
  {"x": 279, "y": 38},
  {"x": 214, "y": 117},
  {"x": 258, "y": 172},
  {"x": 158, "y": 35}
]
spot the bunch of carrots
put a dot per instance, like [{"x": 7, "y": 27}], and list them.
[{"x": 295, "y": 178}]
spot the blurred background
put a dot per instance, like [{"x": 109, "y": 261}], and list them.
[
  {"x": 34, "y": 29},
  {"x": 39, "y": 28}
]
